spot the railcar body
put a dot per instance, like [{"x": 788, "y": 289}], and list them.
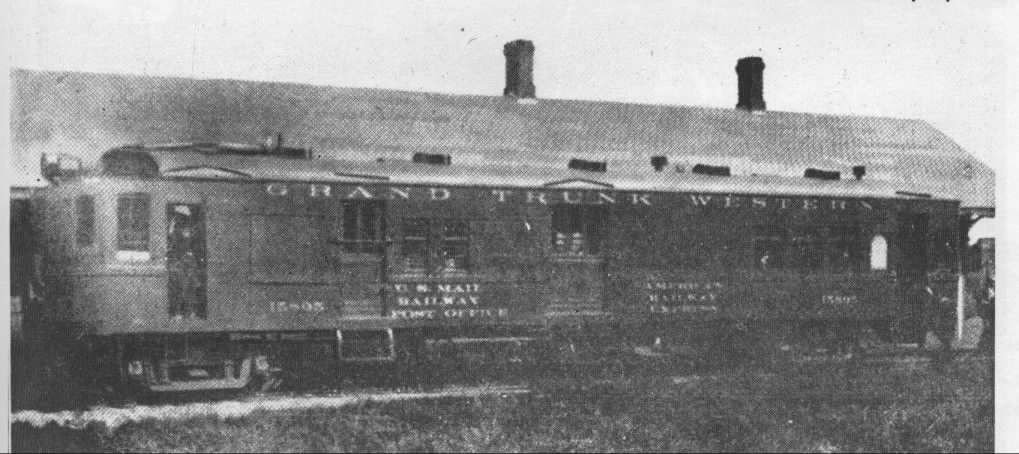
[{"x": 189, "y": 266}]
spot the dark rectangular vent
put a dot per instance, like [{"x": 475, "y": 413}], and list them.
[
  {"x": 859, "y": 172},
  {"x": 433, "y": 159},
  {"x": 590, "y": 166},
  {"x": 913, "y": 194},
  {"x": 718, "y": 171},
  {"x": 822, "y": 174},
  {"x": 659, "y": 162}
]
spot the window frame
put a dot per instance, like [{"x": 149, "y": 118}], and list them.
[
  {"x": 433, "y": 242},
  {"x": 810, "y": 248},
  {"x": 842, "y": 235},
  {"x": 874, "y": 240},
  {"x": 356, "y": 241},
  {"x": 770, "y": 234},
  {"x": 589, "y": 221},
  {"x": 144, "y": 244},
  {"x": 89, "y": 227}
]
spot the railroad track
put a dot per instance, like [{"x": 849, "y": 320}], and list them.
[
  {"x": 112, "y": 415},
  {"x": 423, "y": 380}
]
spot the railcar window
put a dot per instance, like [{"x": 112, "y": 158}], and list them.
[
  {"x": 454, "y": 247},
  {"x": 362, "y": 226},
  {"x": 578, "y": 229},
  {"x": 133, "y": 222},
  {"x": 435, "y": 246},
  {"x": 845, "y": 250},
  {"x": 770, "y": 246},
  {"x": 84, "y": 212},
  {"x": 878, "y": 253},
  {"x": 415, "y": 245},
  {"x": 809, "y": 248}
]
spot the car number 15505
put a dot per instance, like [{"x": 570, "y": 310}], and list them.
[{"x": 297, "y": 306}]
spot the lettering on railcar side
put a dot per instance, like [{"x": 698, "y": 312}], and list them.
[
  {"x": 550, "y": 197},
  {"x": 311, "y": 307},
  {"x": 434, "y": 301},
  {"x": 682, "y": 297}
]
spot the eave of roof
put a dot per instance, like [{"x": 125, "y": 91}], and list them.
[{"x": 227, "y": 167}]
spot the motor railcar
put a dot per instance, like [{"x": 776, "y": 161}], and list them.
[{"x": 212, "y": 266}]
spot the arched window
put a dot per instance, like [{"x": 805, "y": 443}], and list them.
[{"x": 878, "y": 253}]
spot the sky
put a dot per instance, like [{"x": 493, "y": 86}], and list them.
[{"x": 933, "y": 60}]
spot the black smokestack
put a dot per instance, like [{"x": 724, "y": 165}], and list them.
[
  {"x": 519, "y": 69},
  {"x": 750, "y": 75}
]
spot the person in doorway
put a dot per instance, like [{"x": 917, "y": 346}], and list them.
[{"x": 185, "y": 279}]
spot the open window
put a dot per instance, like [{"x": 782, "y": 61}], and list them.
[
  {"x": 578, "y": 230},
  {"x": 454, "y": 244},
  {"x": 435, "y": 246},
  {"x": 133, "y": 214}
]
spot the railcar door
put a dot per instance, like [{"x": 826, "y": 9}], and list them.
[
  {"x": 578, "y": 266},
  {"x": 22, "y": 253},
  {"x": 185, "y": 260},
  {"x": 363, "y": 257},
  {"x": 911, "y": 271}
]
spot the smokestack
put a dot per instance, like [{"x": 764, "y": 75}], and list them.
[
  {"x": 519, "y": 69},
  {"x": 750, "y": 75}
]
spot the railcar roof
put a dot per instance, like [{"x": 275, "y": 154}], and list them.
[
  {"x": 186, "y": 162},
  {"x": 86, "y": 114}
]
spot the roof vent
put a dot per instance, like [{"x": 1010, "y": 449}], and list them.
[
  {"x": 659, "y": 162},
  {"x": 519, "y": 69},
  {"x": 717, "y": 171},
  {"x": 859, "y": 172},
  {"x": 433, "y": 159},
  {"x": 127, "y": 161},
  {"x": 590, "y": 166},
  {"x": 822, "y": 174},
  {"x": 913, "y": 194}
]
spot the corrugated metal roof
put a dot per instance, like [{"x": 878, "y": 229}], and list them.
[{"x": 86, "y": 114}]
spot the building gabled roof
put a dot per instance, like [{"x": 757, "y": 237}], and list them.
[{"x": 87, "y": 114}]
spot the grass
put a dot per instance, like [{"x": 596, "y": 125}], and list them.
[{"x": 820, "y": 407}]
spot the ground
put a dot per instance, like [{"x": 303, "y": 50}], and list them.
[{"x": 818, "y": 406}]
